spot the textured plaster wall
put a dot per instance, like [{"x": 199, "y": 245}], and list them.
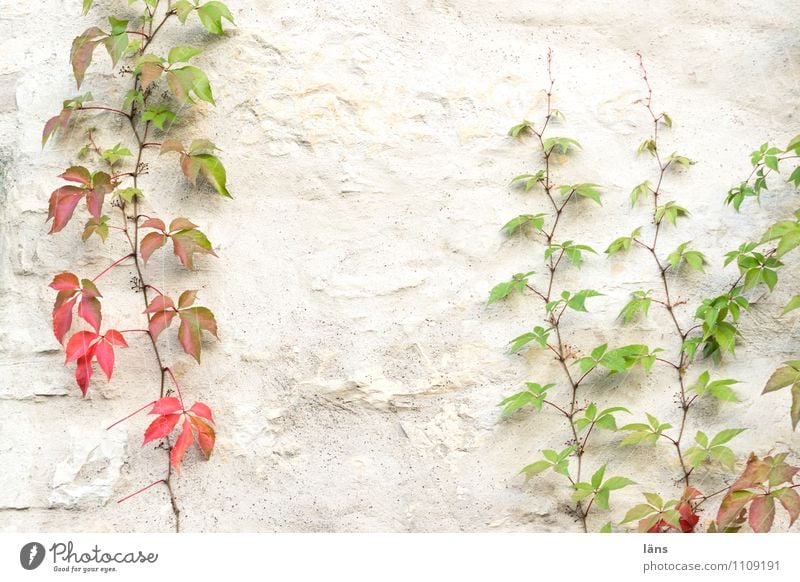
[{"x": 356, "y": 381}]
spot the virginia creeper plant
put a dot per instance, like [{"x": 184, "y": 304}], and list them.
[
  {"x": 760, "y": 261},
  {"x": 589, "y": 489},
  {"x": 701, "y": 339},
  {"x": 108, "y": 182},
  {"x": 704, "y": 339}
]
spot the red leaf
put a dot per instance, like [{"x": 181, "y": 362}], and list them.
[
  {"x": 49, "y": 129},
  {"x": 84, "y": 371},
  {"x": 167, "y": 405},
  {"x": 62, "y": 204},
  {"x": 159, "y": 322},
  {"x": 80, "y": 344},
  {"x": 202, "y": 411},
  {"x": 77, "y": 174},
  {"x": 179, "y": 448},
  {"x": 160, "y": 303},
  {"x": 193, "y": 321},
  {"x": 104, "y": 352},
  {"x": 89, "y": 310},
  {"x": 161, "y": 427},
  {"x": 151, "y": 243},
  {"x": 688, "y": 518},
  {"x": 206, "y": 437},
  {"x": 116, "y": 338},
  {"x": 762, "y": 513},
  {"x": 64, "y": 282},
  {"x": 62, "y": 315},
  {"x": 82, "y": 48},
  {"x": 156, "y": 223}
]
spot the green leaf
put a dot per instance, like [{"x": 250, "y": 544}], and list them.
[
  {"x": 159, "y": 116},
  {"x": 680, "y": 160},
  {"x": 597, "y": 478},
  {"x": 615, "y": 483},
  {"x": 648, "y": 145},
  {"x": 182, "y": 54},
  {"x": 87, "y": 4},
  {"x": 640, "y": 302},
  {"x": 183, "y": 81},
  {"x": 589, "y": 191},
  {"x": 520, "y": 128},
  {"x": 530, "y": 180},
  {"x": 515, "y": 285},
  {"x": 183, "y": 8},
  {"x": 534, "y": 395},
  {"x": 129, "y": 194},
  {"x": 535, "y": 468},
  {"x": 519, "y": 223},
  {"x": 783, "y": 377},
  {"x": 671, "y": 212},
  {"x": 113, "y": 155},
  {"x": 578, "y": 301},
  {"x": 560, "y": 144},
  {"x": 642, "y": 189},
  {"x": 606, "y": 528},
  {"x": 667, "y": 120},
  {"x": 211, "y": 15},
  {"x": 638, "y": 512},
  {"x": 213, "y": 171},
  {"x": 725, "y": 436}
]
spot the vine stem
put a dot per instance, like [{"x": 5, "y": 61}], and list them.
[
  {"x": 111, "y": 266},
  {"x": 668, "y": 303},
  {"x": 142, "y": 143},
  {"x": 560, "y": 348}
]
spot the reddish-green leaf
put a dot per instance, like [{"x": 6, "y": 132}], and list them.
[
  {"x": 155, "y": 223},
  {"x": 77, "y": 174},
  {"x": 62, "y": 205},
  {"x": 151, "y": 243},
  {"x": 187, "y": 298},
  {"x": 65, "y": 282},
  {"x": 205, "y": 434},
  {"x": 82, "y": 49},
  {"x": 186, "y": 243},
  {"x": 731, "y": 506},
  {"x": 181, "y": 224},
  {"x": 162, "y": 311},
  {"x": 193, "y": 321},
  {"x": 213, "y": 171},
  {"x": 762, "y": 513}
]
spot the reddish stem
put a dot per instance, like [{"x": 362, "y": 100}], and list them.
[
  {"x": 131, "y": 414},
  {"x": 101, "y": 108},
  {"x": 111, "y": 266},
  {"x": 177, "y": 387},
  {"x": 134, "y": 331},
  {"x": 142, "y": 490}
]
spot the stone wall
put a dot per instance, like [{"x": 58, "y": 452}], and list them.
[{"x": 359, "y": 370}]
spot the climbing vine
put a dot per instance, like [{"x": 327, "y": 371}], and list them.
[
  {"x": 108, "y": 182},
  {"x": 702, "y": 339}
]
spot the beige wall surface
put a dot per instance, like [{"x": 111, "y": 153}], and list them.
[{"x": 356, "y": 381}]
